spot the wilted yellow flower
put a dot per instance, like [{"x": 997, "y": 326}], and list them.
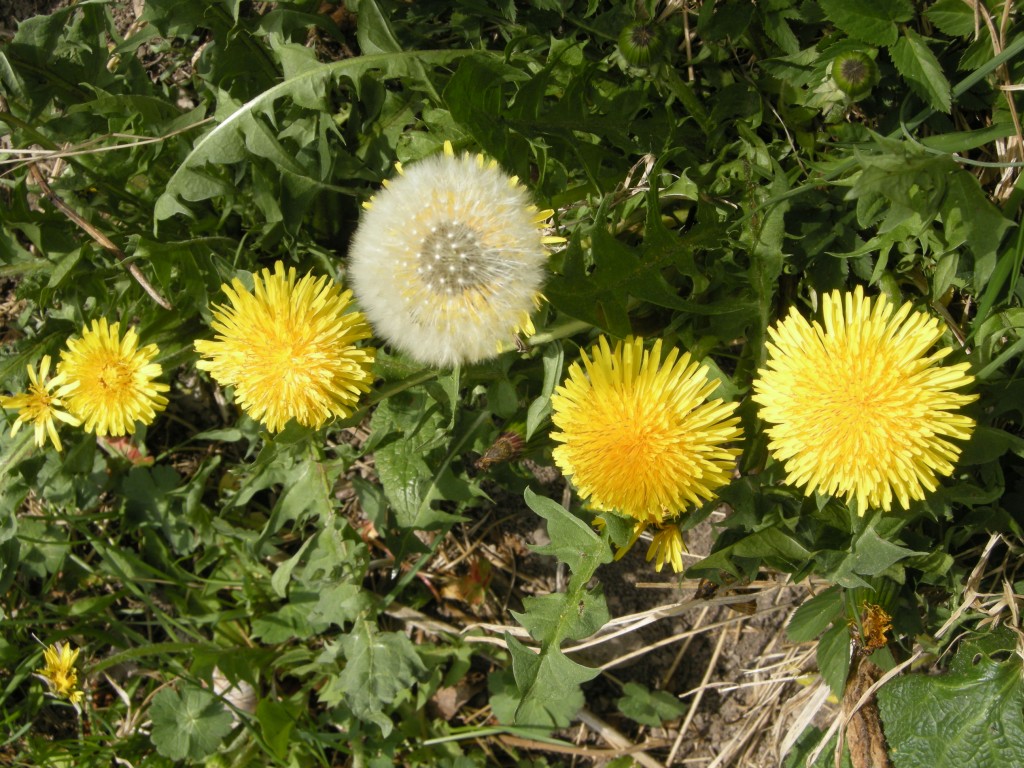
[
  {"x": 59, "y": 672},
  {"x": 289, "y": 349},
  {"x": 667, "y": 547},
  {"x": 448, "y": 261},
  {"x": 638, "y": 436},
  {"x": 858, "y": 407},
  {"x": 39, "y": 406},
  {"x": 108, "y": 382}
]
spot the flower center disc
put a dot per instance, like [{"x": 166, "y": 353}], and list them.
[{"x": 450, "y": 257}]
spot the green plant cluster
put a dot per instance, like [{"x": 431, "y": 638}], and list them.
[{"x": 705, "y": 185}]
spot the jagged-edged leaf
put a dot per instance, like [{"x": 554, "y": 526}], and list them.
[
  {"x": 870, "y": 21},
  {"x": 380, "y": 670},
  {"x": 649, "y": 707},
  {"x": 921, "y": 69},
  {"x": 552, "y": 618},
  {"x": 549, "y": 685},
  {"x": 572, "y": 540}
]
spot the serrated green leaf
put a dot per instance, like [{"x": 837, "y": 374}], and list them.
[
  {"x": 651, "y": 708},
  {"x": 969, "y": 717},
  {"x": 814, "y": 615},
  {"x": 417, "y": 423},
  {"x": 572, "y": 540},
  {"x": 549, "y": 685},
  {"x": 953, "y": 17},
  {"x": 339, "y": 604},
  {"x": 380, "y": 670},
  {"x": 834, "y": 653},
  {"x": 553, "y": 618},
  {"x": 189, "y": 725},
  {"x": 870, "y": 21},
  {"x": 919, "y": 67}
]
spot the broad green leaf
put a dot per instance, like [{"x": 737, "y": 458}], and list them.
[
  {"x": 870, "y": 21},
  {"x": 953, "y": 17},
  {"x": 293, "y": 620},
  {"x": 340, "y": 603},
  {"x": 277, "y": 721},
  {"x": 983, "y": 225},
  {"x": 572, "y": 540},
  {"x": 552, "y": 618},
  {"x": 869, "y": 555},
  {"x": 410, "y": 464},
  {"x": 380, "y": 670},
  {"x": 548, "y": 684},
  {"x": 835, "y": 651},
  {"x": 919, "y": 67},
  {"x": 969, "y": 717},
  {"x": 189, "y": 725},
  {"x": 814, "y": 615},
  {"x": 651, "y": 708}
]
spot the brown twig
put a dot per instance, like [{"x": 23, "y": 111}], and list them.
[{"x": 98, "y": 236}]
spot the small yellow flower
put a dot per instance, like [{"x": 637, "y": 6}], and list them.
[
  {"x": 108, "y": 381},
  {"x": 39, "y": 406},
  {"x": 289, "y": 349},
  {"x": 449, "y": 259},
  {"x": 857, "y": 406},
  {"x": 59, "y": 672},
  {"x": 638, "y": 436},
  {"x": 667, "y": 547}
]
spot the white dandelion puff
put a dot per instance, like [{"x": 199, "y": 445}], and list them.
[{"x": 448, "y": 260}]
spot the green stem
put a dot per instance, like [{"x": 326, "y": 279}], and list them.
[{"x": 561, "y": 331}]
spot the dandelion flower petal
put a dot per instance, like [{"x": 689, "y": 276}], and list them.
[
  {"x": 40, "y": 406},
  {"x": 59, "y": 672},
  {"x": 288, "y": 349},
  {"x": 448, "y": 261},
  {"x": 857, "y": 405},
  {"x": 667, "y": 547},
  {"x": 108, "y": 382},
  {"x": 637, "y": 434}
]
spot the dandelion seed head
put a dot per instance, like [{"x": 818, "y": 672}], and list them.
[{"x": 448, "y": 262}]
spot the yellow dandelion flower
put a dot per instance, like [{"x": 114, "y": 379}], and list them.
[
  {"x": 667, "y": 547},
  {"x": 858, "y": 407},
  {"x": 108, "y": 382},
  {"x": 59, "y": 672},
  {"x": 637, "y": 434},
  {"x": 289, "y": 349},
  {"x": 40, "y": 406},
  {"x": 449, "y": 259}
]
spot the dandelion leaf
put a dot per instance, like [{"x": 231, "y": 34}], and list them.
[
  {"x": 380, "y": 670},
  {"x": 651, "y": 708},
  {"x": 551, "y": 617},
  {"x": 549, "y": 685}
]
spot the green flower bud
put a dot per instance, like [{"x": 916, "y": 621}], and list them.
[
  {"x": 640, "y": 43},
  {"x": 855, "y": 72}
]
